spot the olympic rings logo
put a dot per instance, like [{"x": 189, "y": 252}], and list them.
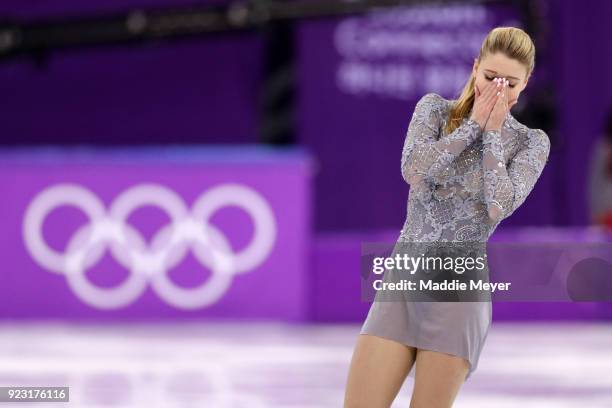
[{"x": 188, "y": 229}]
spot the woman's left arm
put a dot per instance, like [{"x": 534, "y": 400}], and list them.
[{"x": 505, "y": 189}]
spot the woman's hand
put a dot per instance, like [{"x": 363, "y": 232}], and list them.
[
  {"x": 500, "y": 108},
  {"x": 484, "y": 102}
]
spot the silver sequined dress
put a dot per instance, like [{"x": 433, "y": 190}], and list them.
[{"x": 454, "y": 179}]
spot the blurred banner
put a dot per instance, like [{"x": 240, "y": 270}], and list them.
[
  {"x": 154, "y": 233},
  {"x": 521, "y": 254}
]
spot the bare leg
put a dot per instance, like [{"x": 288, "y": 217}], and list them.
[
  {"x": 437, "y": 379},
  {"x": 378, "y": 369}
]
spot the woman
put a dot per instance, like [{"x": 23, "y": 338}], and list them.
[{"x": 469, "y": 164}]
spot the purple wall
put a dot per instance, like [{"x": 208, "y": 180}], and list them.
[
  {"x": 353, "y": 109},
  {"x": 583, "y": 61},
  {"x": 191, "y": 91}
]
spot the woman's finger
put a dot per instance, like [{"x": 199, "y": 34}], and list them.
[
  {"x": 503, "y": 105},
  {"x": 496, "y": 89},
  {"x": 485, "y": 96},
  {"x": 491, "y": 89},
  {"x": 506, "y": 99},
  {"x": 499, "y": 103},
  {"x": 504, "y": 93},
  {"x": 492, "y": 96}
]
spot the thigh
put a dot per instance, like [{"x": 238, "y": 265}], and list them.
[
  {"x": 438, "y": 379},
  {"x": 378, "y": 369}
]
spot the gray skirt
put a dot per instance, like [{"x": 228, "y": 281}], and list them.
[{"x": 459, "y": 328}]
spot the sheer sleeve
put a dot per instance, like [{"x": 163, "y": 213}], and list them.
[
  {"x": 423, "y": 155},
  {"x": 505, "y": 189}
]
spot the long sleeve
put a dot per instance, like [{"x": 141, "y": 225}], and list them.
[
  {"x": 505, "y": 189},
  {"x": 423, "y": 155}
]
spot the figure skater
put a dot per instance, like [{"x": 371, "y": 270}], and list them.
[{"x": 470, "y": 164}]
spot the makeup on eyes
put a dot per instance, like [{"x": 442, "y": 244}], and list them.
[{"x": 491, "y": 72}]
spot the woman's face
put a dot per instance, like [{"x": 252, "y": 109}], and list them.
[{"x": 499, "y": 65}]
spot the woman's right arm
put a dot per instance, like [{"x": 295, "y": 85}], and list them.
[{"x": 424, "y": 157}]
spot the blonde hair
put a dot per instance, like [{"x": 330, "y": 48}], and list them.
[{"x": 510, "y": 41}]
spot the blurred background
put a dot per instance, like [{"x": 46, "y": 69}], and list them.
[{"x": 186, "y": 186}]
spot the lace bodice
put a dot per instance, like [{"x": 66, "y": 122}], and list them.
[{"x": 463, "y": 184}]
